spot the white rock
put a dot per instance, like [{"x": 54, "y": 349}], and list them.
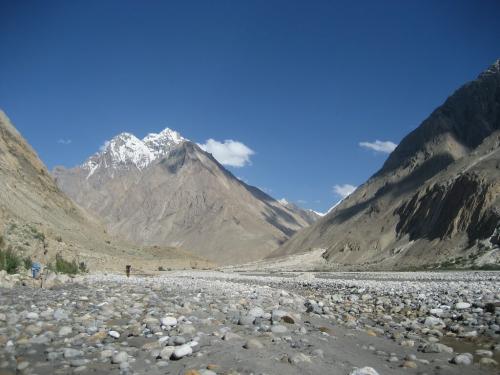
[
  {"x": 462, "y": 305},
  {"x": 436, "y": 312},
  {"x": 182, "y": 351},
  {"x": 256, "y": 312},
  {"x": 162, "y": 339},
  {"x": 32, "y": 315},
  {"x": 364, "y": 371},
  {"x": 432, "y": 321},
  {"x": 114, "y": 334},
  {"x": 167, "y": 352},
  {"x": 463, "y": 359},
  {"x": 169, "y": 321}
]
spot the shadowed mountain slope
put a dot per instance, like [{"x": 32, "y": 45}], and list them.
[{"x": 436, "y": 199}]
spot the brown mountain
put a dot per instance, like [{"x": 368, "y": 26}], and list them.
[
  {"x": 436, "y": 200},
  {"x": 165, "y": 190},
  {"x": 38, "y": 220}
]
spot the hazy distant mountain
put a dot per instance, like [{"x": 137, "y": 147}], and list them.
[
  {"x": 309, "y": 216},
  {"x": 436, "y": 200},
  {"x": 165, "y": 190},
  {"x": 39, "y": 221}
]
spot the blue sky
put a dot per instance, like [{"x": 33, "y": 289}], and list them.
[{"x": 300, "y": 83}]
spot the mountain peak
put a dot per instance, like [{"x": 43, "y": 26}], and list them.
[
  {"x": 492, "y": 69},
  {"x": 160, "y": 143},
  {"x": 166, "y": 133},
  {"x": 125, "y": 150}
]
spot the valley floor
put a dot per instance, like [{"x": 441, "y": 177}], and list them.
[{"x": 194, "y": 322}]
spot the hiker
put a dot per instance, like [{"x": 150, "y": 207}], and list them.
[
  {"x": 127, "y": 269},
  {"x": 35, "y": 269}
]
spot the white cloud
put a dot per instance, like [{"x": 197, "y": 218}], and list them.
[
  {"x": 344, "y": 190},
  {"x": 232, "y": 153},
  {"x": 64, "y": 141},
  {"x": 379, "y": 146}
]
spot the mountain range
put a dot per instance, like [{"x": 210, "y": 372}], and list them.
[
  {"x": 160, "y": 200},
  {"x": 436, "y": 200},
  {"x": 165, "y": 190},
  {"x": 39, "y": 221}
]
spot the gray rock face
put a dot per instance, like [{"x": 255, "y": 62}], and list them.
[
  {"x": 410, "y": 205},
  {"x": 181, "y": 197}
]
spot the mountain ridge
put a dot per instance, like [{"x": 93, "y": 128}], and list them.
[
  {"x": 459, "y": 137},
  {"x": 38, "y": 221},
  {"x": 182, "y": 197}
]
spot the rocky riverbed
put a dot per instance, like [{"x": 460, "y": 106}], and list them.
[{"x": 194, "y": 322}]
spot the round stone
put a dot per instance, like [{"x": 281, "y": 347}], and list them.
[
  {"x": 253, "y": 344},
  {"x": 120, "y": 357},
  {"x": 169, "y": 321},
  {"x": 182, "y": 351},
  {"x": 463, "y": 359},
  {"x": 462, "y": 305},
  {"x": 114, "y": 334},
  {"x": 65, "y": 331},
  {"x": 364, "y": 371}
]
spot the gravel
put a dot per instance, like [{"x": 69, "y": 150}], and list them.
[{"x": 230, "y": 323}]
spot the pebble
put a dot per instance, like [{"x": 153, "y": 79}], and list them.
[
  {"x": 182, "y": 351},
  {"x": 169, "y": 321},
  {"x": 487, "y": 362},
  {"x": 119, "y": 357},
  {"x": 437, "y": 348},
  {"x": 32, "y": 315},
  {"x": 114, "y": 334},
  {"x": 364, "y": 371},
  {"x": 409, "y": 364},
  {"x": 298, "y": 358},
  {"x": 22, "y": 365},
  {"x": 65, "y": 331},
  {"x": 249, "y": 314},
  {"x": 253, "y": 344},
  {"x": 465, "y": 359}
]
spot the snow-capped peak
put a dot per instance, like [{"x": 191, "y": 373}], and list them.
[
  {"x": 126, "y": 149},
  {"x": 283, "y": 201},
  {"x": 160, "y": 143}
]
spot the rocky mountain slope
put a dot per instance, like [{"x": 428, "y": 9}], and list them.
[
  {"x": 165, "y": 190},
  {"x": 436, "y": 200},
  {"x": 38, "y": 220}
]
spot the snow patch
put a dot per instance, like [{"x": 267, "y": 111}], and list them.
[{"x": 126, "y": 150}]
